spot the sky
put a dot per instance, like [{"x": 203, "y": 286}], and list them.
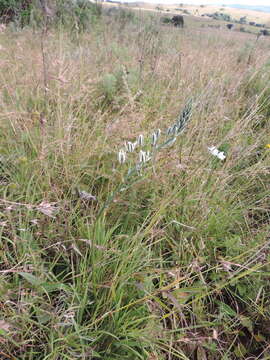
[
  {"x": 228, "y": 2},
  {"x": 214, "y": 2}
]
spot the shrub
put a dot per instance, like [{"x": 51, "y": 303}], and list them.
[
  {"x": 79, "y": 14},
  {"x": 124, "y": 16},
  {"x": 111, "y": 11},
  {"x": 109, "y": 90},
  {"x": 243, "y": 20},
  {"x": 16, "y": 10},
  {"x": 265, "y": 32},
  {"x": 166, "y": 20},
  {"x": 220, "y": 16}
]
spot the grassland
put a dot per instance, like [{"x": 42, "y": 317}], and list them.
[
  {"x": 199, "y": 10},
  {"x": 197, "y": 16},
  {"x": 168, "y": 262}
]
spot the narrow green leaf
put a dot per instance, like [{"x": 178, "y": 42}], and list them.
[{"x": 32, "y": 279}]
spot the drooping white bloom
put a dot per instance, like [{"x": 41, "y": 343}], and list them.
[
  {"x": 144, "y": 156},
  {"x": 219, "y": 154},
  {"x": 134, "y": 145},
  {"x": 174, "y": 129},
  {"x": 148, "y": 157},
  {"x": 169, "y": 130},
  {"x": 140, "y": 140},
  {"x": 158, "y": 133},
  {"x": 122, "y": 156},
  {"x": 130, "y": 147},
  {"x": 154, "y": 139}
]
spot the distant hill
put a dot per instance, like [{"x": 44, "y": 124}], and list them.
[
  {"x": 261, "y": 8},
  {"x": 251, "y": 7}
]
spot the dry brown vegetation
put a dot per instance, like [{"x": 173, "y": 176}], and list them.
[
  {"x": 177, "y": 266},
  {"x": 197, "y": 10}
]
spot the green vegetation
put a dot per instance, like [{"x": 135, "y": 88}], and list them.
[
  {"x": 79, "y": 14},
  {"x": 18, "y": 11},
  {"x": 219, "y": 16},
  {"x": 166, "y": 20},
  {"x": 160, "y": 252}
]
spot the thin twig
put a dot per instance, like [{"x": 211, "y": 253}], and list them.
[{"x": 42, "y": 43}]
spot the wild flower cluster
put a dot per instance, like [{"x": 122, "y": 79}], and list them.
[
  {"x": 145, "y": 150},
  {"x": 157, "y": 141},
  {"x": 130, "y": 147}
]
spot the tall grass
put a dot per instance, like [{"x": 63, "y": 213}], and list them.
[{"x": 176, "y": 266}]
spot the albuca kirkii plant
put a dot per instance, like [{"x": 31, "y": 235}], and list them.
[
  {"x": 157, "y": 141},
  {"x": 142, "y": 152}
]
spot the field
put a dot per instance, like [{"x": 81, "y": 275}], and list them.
[
  {"x": 123, "y": 233},
  {"x": 197, "y": 16},
  {"x": 199, "y": 10}
]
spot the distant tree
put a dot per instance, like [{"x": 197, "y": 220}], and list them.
[
  {"x": 243, "y": 20},
  {"x": 265, "y": 32},
  {"x": 178, "y": 20},
  {"x": 229, "y": 26},
  {"x": 221, "y": 16},
  {"x": 19, "y": 10}
]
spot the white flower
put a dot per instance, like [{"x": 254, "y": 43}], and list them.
[
  {"x": 130, "y": 147},
  {"x": 174, "y": 129},
  {"x": 158, "y": 133},
  {"x": 169, "y": 130},
  {"x": 144, "y": 156},
  {"x": 219, "y": 154},
  {"x": 154, "y": 139},
  {"x": 121, "y": 156},
  {"x": 135, "y": 144},
  {"x": 140, "y": 140}
]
